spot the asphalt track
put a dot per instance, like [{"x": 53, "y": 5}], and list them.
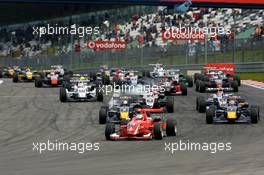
[{"x": 28, "y": 115}]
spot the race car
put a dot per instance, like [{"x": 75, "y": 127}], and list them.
[
  {"x": 80, "y": 90},
  {"x": 103, "y": 75},
  {"x": 126, "y": 77},
  {"x": 121, "y": 106},
  {"x": 227, "y": 108},
  {"x": 24, "y": 75},
  {"x": 158, "y": 71},
  {"x": 142, "y": 127},
  {"x": 225, "y": 70},
  {"x": 9, "y": 71},
  {"x": 53, "y": 77},
  {"x": 215, "y": 80},
  {"x": 179, "y": 77}
]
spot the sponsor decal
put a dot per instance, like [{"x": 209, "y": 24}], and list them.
[
  {"x": 106, "y": 45},
  {"x": 179, "y": 35}
]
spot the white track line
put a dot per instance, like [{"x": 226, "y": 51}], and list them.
[{"x": 1, "y": 81}]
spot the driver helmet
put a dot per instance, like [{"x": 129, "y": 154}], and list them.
[
  {"x": 220, "y": 93},
  {"x": 232, "y": 102},
  {"x": 139, "y": 116},
  {"x": 82, "y": 78},
  {"x": 125, "y": 102},
  {"x": 52, "y": 73}
]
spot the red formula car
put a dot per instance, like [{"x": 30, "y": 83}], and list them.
[{"x": 142, "y": 127}]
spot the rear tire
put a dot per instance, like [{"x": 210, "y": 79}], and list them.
[
  {"x": 237, "y": 78},
  {"x": 105, "y": 79},
  {"x": 234, "y": 85},
  {"x": 109, "y": 129},
  {"x": 100, "y": 96},
  {"x": 184, "y": 89},
  {"x": 190, "y": 81},
  {"x": 202, "y": 87}
]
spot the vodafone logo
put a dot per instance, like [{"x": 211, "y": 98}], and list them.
[
  {"x": 178, "y": 35},
  {"x": 91, "y": 44},
  {"x": 106, "y": 45}
]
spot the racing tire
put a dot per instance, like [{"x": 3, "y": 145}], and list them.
[
  {"x": 157, "y": 133},
  {"x": 197, "y": 85},
  {"x": 105, "y": 79},
  {"x": 170, "y": 104},
  {"x": 258, "y": 110},
  {"x": 1, "y": 74},
  {"x": 254, "y": 115},
  {"x": 148, "y": 74},
  {"x": 237, "y": 78},
  {"x": 184, "y": 89},
  {"x": 109, "y": 129},
  {"x": 100, "y": 96},
  {"x": 93, "y": 76},
  {"x": 63, "y": 94},
  {"x": 103, "y": 115},
  {"x": 38, "y": 82},
  {"x": 15, "y": 78},
  {"x": 196, "y": 76},
  {"x": 123, "y": 122},
  {"x": 210, "y": 114},
  {"x": 234, "y": 85},
  {"x": 190, "y": 81},
  {"x": 202, "y": 87},
  {"x": 201, "y": 105},
  {"x": 170, "y": 128}
]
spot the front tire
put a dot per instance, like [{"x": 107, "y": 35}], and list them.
[
  {"x": 157, "y": 131},
  {"x": 170, "y": 128},
  {"x": 234, "y": 85},
  {"x": 254, "y": 115},
  {"x": 63, "y": 94},
  {"x": 170, "y": 104},
  {"x": 15, "y": 78},
  {"x": 103, "y": 115},
  {"x": 38, "y": 82},
  {"x": 109, "y": 129},
  {"x": 201, "y": 104},
  {"x": 210, "y": 113}
]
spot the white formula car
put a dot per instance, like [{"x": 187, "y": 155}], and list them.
[{"x": 80, "y": 90}]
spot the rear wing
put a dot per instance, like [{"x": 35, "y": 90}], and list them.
[
  {"x": 144, "y": 110},
  {"x": 225, "y": 68},
  {"x": 79, "y": 81}
]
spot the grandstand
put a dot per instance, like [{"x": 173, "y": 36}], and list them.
[{"x": 140, "y": 26}]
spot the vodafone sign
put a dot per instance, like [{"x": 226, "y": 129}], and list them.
[{"x": 106, "y": 45}]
